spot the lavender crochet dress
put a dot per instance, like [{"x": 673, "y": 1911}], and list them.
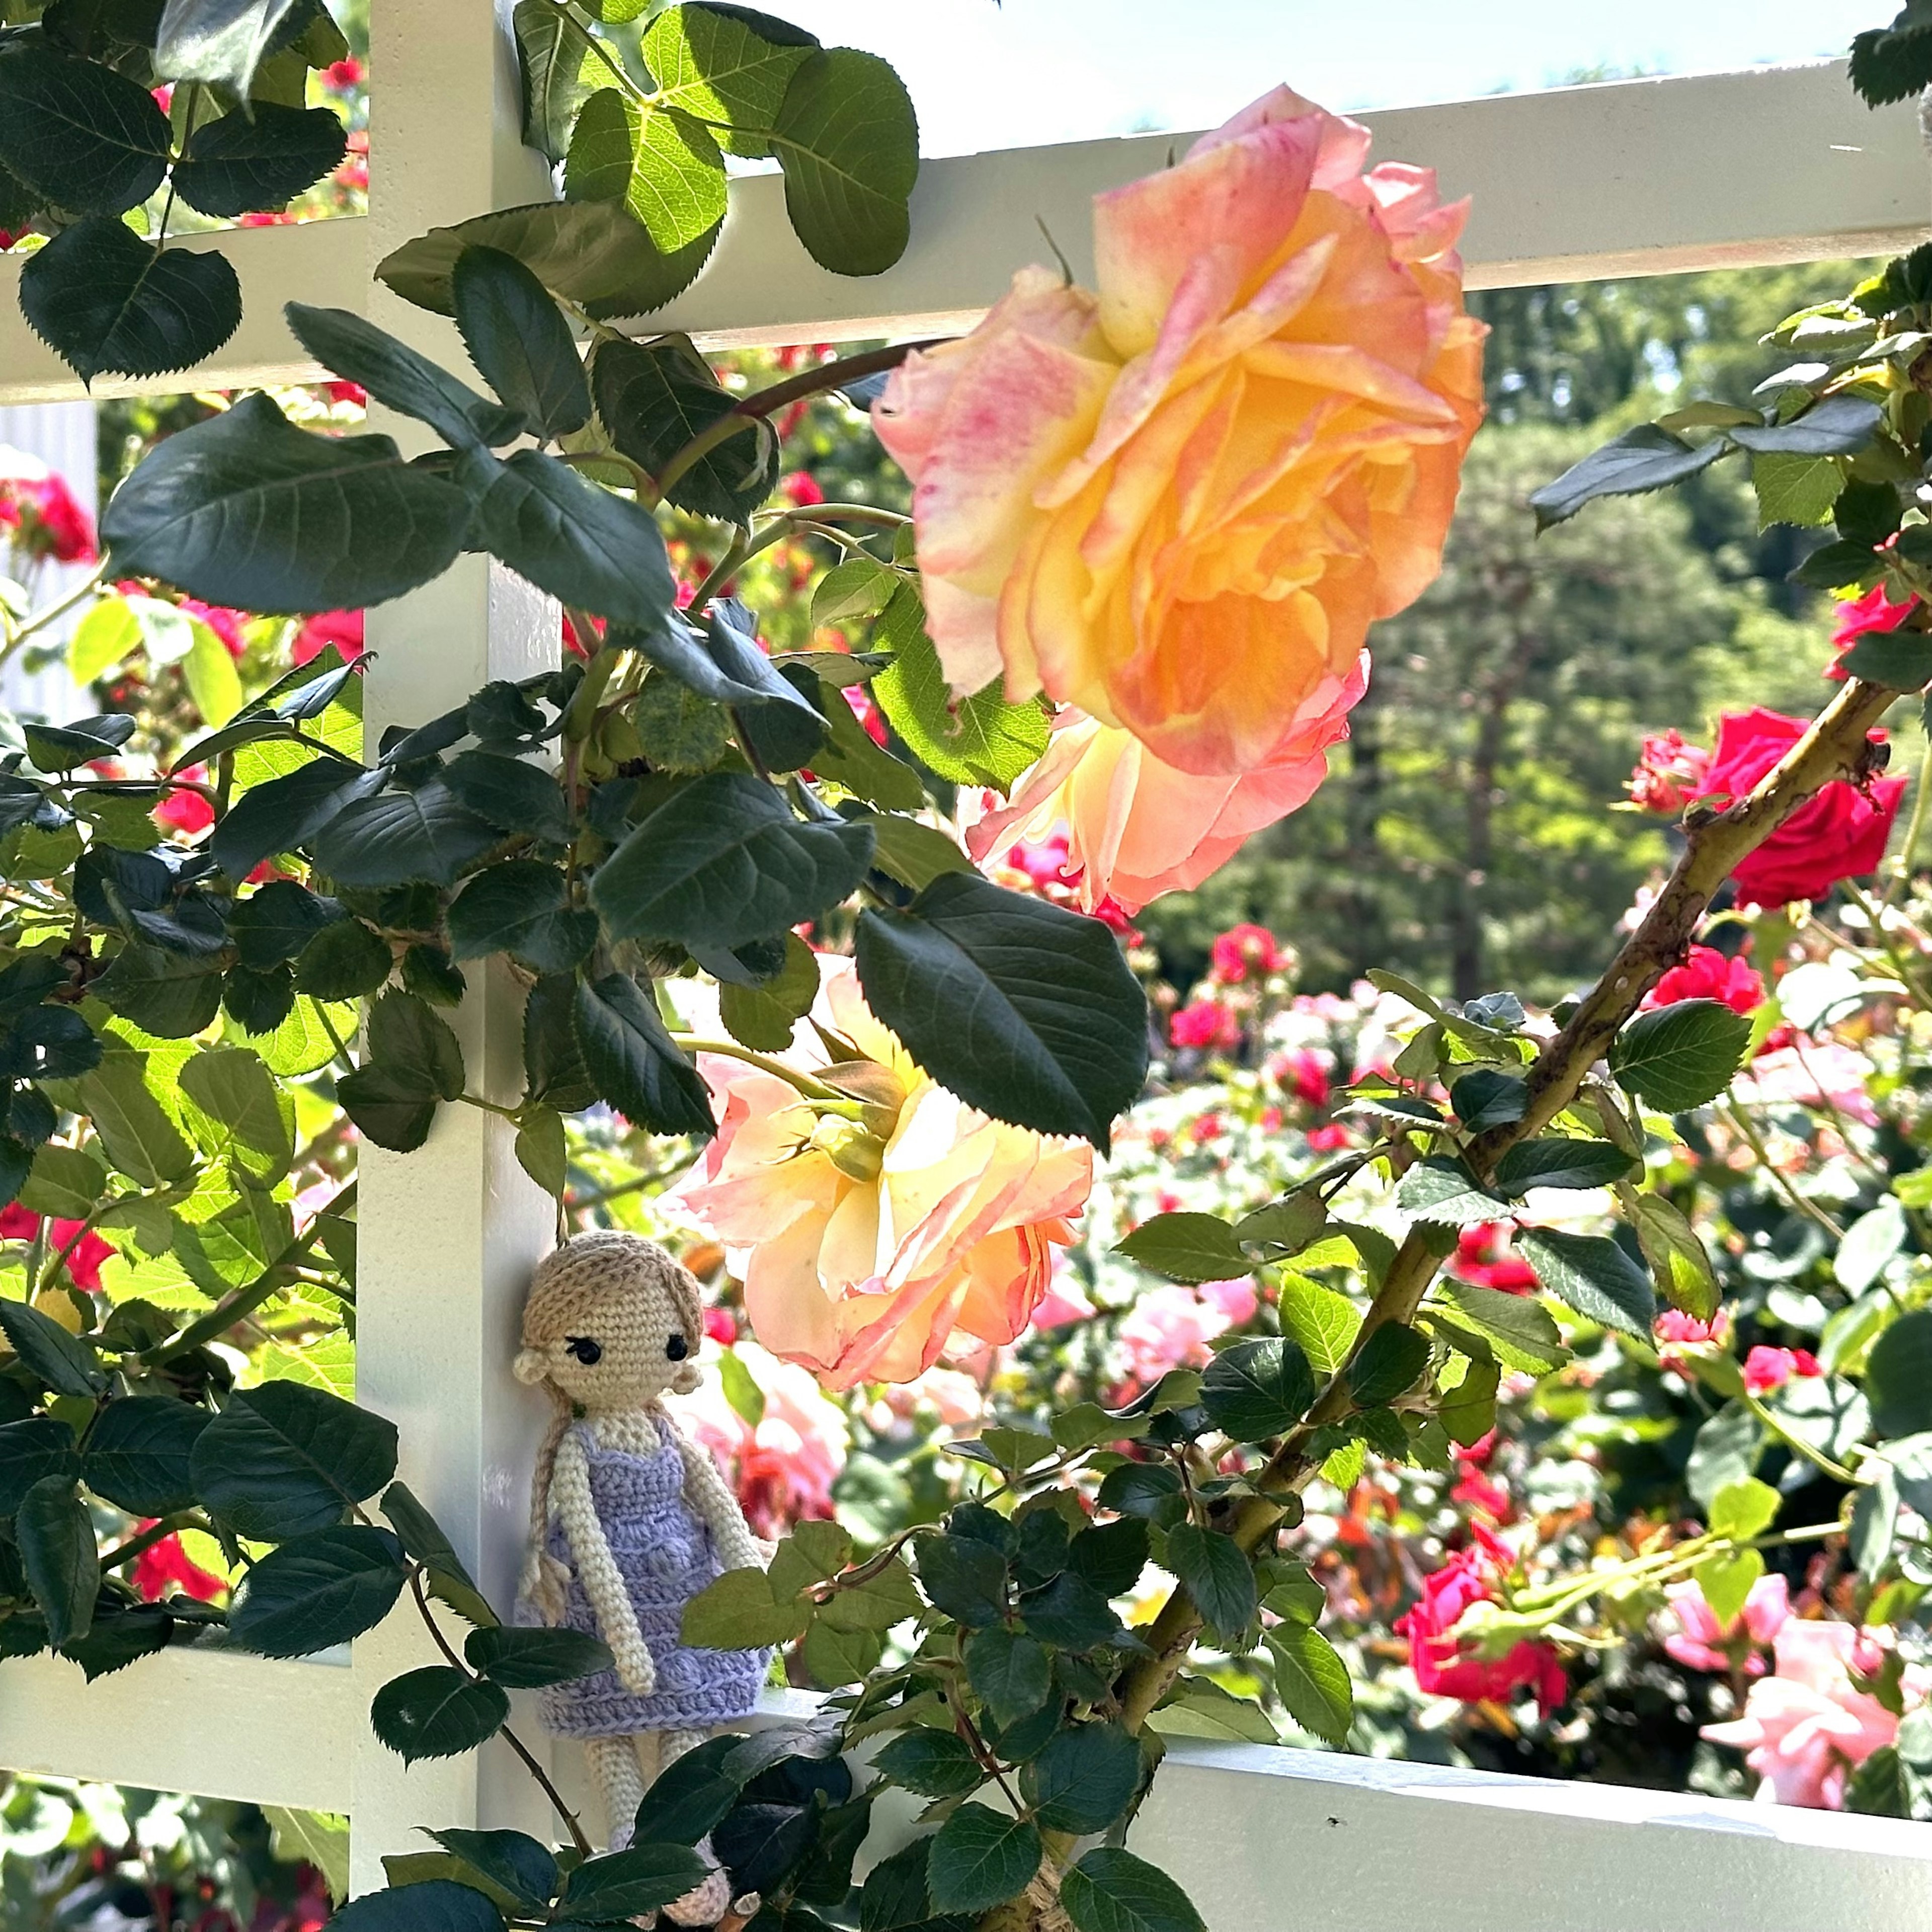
[{"x": 664, "y": 1553}]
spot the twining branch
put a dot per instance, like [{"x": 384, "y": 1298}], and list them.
[{"x": 1838, "y": 745}]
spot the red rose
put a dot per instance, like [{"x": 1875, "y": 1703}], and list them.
[
  {"x": 1668, "y": 773},
  {"x": 1859, "y": 616},
  {"x": 1708, "y": 975},
  {"x": 1204, "y": 1024},
  {"x": 342, "y": 629},
  {"x": 1474, "y": 1575},
  {"x": 1485, "y": 1259},
  {"x": 1246, "y": 953},
  {"x": 1841, "y": 833},
  {"x": 1768, "y": 1369}
]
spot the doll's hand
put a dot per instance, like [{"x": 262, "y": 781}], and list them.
[
  {"x": 635, "y": 1671},
  {"x": 545, "y": 1587}
]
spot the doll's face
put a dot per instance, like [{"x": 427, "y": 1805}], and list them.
[{"x": 621, "y": 1350}]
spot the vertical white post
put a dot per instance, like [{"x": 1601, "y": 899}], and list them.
[{"x": 448, "y": 1233}]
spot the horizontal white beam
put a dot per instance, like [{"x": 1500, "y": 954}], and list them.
[
  {"x": 1329, "y": 1844},
  {"x": 323, "y": 262},
  {"x": 213, "y": 1722},
  {"x": 1646, "y": 177}
]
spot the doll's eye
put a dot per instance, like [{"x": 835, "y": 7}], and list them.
[
  {"x": 677, "y": 1348},
  {"x": 588, "y": 1352}
]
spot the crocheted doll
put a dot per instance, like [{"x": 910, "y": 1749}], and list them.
[{"x": 628, "y": 1521}]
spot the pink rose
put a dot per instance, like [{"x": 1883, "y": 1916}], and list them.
[
  {"x": 1474, "y": 1575},
  {"x": 1170, "y": 1326},
  {"x": 1204, "y": 1024},
  {"x": 1708, "y": 974},
  {"x": 1064, "y": 1303},
  {"x": 1841, "y": 833},
  {"x": 342, "y": 629},
  {"x": 1806, "y": 1727},
  {"x": 1246, "y": 953},
  {"x": 1669, "y": 772},
  {"x": 1700, "y": 1642},
  {"x": 1768, "y": 1369}
]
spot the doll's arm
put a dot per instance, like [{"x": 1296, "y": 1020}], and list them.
[
  {"x": 708, "y": 1493},
  {"x": 590, "y": 1550}
]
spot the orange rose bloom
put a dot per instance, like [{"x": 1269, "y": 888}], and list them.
[
  {"x": 863, "y": 1245},
  {"x": 1135, "y": 827},
  {"x": 1180, "y": 503}
]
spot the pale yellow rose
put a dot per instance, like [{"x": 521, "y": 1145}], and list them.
[
  {"x": 1178, "y": 503},
  {"x": 864, "y": 1246}
]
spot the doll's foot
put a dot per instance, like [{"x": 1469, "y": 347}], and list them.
[{"x": 704, "y": 1904}]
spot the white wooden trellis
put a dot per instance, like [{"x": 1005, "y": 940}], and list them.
[{"x": 1728, "y": 170}]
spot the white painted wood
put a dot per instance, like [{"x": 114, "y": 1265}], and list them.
[
  {"x": 211, "y": 1721},
  {"x": 449, "y": 1234}
]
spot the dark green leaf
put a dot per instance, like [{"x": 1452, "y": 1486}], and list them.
[
  {"x": 1898, "y": 1376},
  {"x": 530, "y": 1660},
  {"x": 517, "y": 337},
  {"x": 318, "y": 1591},
  {"x": 440, "y": 1905},
  {"x": 395, "y": 373},
  {"x": 1218, "y": 1576},
  {"x": 82, "y": 137},
  {"x": 1390, "y": 1364},
  {"x": 635, "y": 1063},
  {"x": 552, "y": 1061},
  {"x": 1594, "y": 1276},
  {"x": 1070, "y": 1613},
  {"x": 560, "y": 66},
  {"x": 1084, "y": 1778},
  {"x": 512, "y": 795},
  {"x": 625, "y": 1883},
  {"x": 35, "y": 1448},
  {"x": 1111, "y": 1890},
  {"x": 723, "y": 861},
  {"x": 935, "y": 1764},
  {"x": 246, "y": 510},
  {"x": 284, "y": 1460},
  {"x": 1895, "y": 63},
  {"x": 966, "y": 1578},
  {"x": 171, "y": 995},
  {"x": 276, "y": 921},
  {"x": 1680, "y": 1056},
  {"x": 1901, "y": 658},
  {"x": 109, "y": 303},
  {"x": 1837, "y": 426},
  {"x": 58, "y": 1360},
  {"x": 401, "y": 836},
  {"x": 1026, "y": 1011},
  {"x": 55, "y": 1536},
  {"x": 343, "y": 961},
  {"x": 980, "y": 1858},
  {"x": 895, "y": 1897},
  {"x": 848, "y": 140},
  {"x": 287, "y": 812},
  {"x": 1487, "y": 1098},
  {"x": 521, "y": 906},
  {"x": 1187, "y": 1247},
  {"x": 222, "y": 41},
  {"x": 1257, "y": 1389},
  {"x": 522, "y": 1868},
  {"x": 422, "y": 1536},
  {"x": 1442, "y": 1189},
  {"x": 1641, "y": 459},
  {"x": 1111, "y": 1556},
  {"x": 690, "y": 1795},
  {"x": 437, "y": 1712},
  {"x": 1557, "y": 1161},
  {"x": 259, "y": 157},
  {"x": 140, "y": 1453}
]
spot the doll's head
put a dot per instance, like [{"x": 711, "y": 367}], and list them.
[{"x": 612, "y": 1322}]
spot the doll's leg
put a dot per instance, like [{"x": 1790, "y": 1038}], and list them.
[
  {"x": 614, "y": 1764},
  {"x": 704, "y": 1904}
]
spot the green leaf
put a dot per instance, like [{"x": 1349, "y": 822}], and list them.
[
  {"x": 1323, "y": 1322},
  {"x": 171, "y": 995},
  {"x": 592, "y": 252},
  {"x": 1555, "y": 1160},
  {"x": 1517, "y": 1326},
  {"x": 213, "y": 682},
  {"x": 81, "y": 136},
  {"x": 935, "y": 1764},
  {"x": 1893, "y": 63},
  {"x": 1724, "y": 1452},
  {"x": 1680, "y": 1056},
  {"x": 980, "y": 740},
  {"x": 521, "y": 906},
  {"x": 723, "y": 861},
  {"x": 600, "y": 553},
  {"x": 56, "y": 1360},
  {"x": 636, "y": 1065},
  {"x": 1898, "y": 1377},
  {"x": 395, "y": 373},
  {"x": 134, "y": 1131},
  {"x": 319, "y": 1590},
  {"x": 402, "y": 835},
  {"x": 1840, "y": 425},
  {"x": 1218, "y": 1576},
  {"x": 737, "y": 1611},
  {"x": 517, "y": 337},
  {"x": 34, "y": 1448},
  {"x": 423, "y": 1538},
  {"x": 1026, "y": 1011},
  {"x": 543, "y": 1151},
  {"x": 1901, "y": 658},
  {"x": 896, "y": 1898},
  {"x": 848, "y": 141},
  {"x": 109, "y": 303},
  {"x": 1011, "y": 1673},
  {"x": 440, "y": 1905},
  {"x": 1487, "y": 1098},
  {"x": 343, "y": 961},
  {"x": 63, "y": 1181},
  {"x": 258, "y": 157},
  {"x": 1678, "y": 1263},
  {"x": 624, "y": 1884},
  {"x": 690, "y": 1795},
  {"x": 1741, "y": 1511},
  {"x": 531, "y": 1659},
  {"x": 524, "y": 1870},
  {"x": 1443, "y": 1190},
  {"x": 763, "y": 1017},
  {"x": 1391, "y": 1362},
  {"x": 287, "y": 812},
  {"x": 1641, "y": 459},
  {"x": 1726, "y": 1579},
  {"x": 1797, "y": 490},
  {"x": 1312, "y": 1680},
  {"x": 1112, "y": 1891},
  {"x": 413, "y": 1061},
  {"x": 437, "y": 1712},
  {"x": 1187, "y": 1247},
  {"x": 55, "y": 1536},
  {"x": 560, "y": 68},
  {"x": 1594, "y": 1276},
  {"x": 662, "y": 165},
  {"x": 244, "y": 509},
  {"x": 1256, "y": 1389},
  {"x": 714, "y": 63},
  {"x": 282, "y": 1460},
  {"x": 980, "y": 1858},
  {"x": 513, "y": 796},
  {"x": 221, "y": 41},
  {"x": 1084, "y": 1778},
  {"x": 140, "y": 1453}
]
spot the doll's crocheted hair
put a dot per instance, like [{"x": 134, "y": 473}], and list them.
[{"x": 621, "y": 1285}]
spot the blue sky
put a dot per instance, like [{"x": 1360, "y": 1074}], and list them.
[{"x": 1034, "y": 71}]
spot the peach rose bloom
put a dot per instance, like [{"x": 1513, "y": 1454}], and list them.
[
  {"x": 1136, "y": 827},
  {"x": 865, "y": 1247},
  {"x": 1178, "y": 503}
]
